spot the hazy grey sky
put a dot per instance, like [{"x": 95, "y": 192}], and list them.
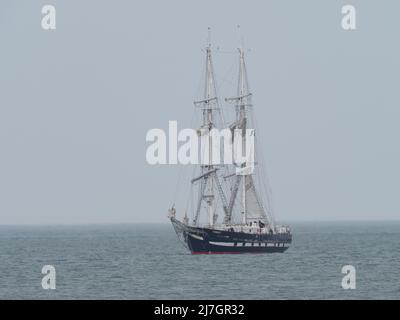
[{"x": 76, "y": 103}]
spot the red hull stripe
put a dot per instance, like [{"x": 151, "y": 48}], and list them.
[{"x": 223, "y": 252}]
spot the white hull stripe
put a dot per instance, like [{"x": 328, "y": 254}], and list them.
[
  {"x": 248, "y": 244},
  {"x": 196, "y": 236},
  {"x": 224, "y": 244}
]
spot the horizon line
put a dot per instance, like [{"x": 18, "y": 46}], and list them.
[{"x": 167, "y": 222}]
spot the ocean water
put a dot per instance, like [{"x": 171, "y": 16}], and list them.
[{"x": 137, "y": 261}]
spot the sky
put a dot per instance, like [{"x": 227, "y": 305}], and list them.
[{"x": 76, "y": 104}]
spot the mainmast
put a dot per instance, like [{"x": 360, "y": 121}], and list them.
[
  {"x": 207, "y": 125},
  {"x": 243, "y": 91},
  {"x": 244, "y": 95},
  {"x": 242, "y": 101}
]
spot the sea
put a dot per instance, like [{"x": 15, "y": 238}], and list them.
[{"x": 147, "y": 261}]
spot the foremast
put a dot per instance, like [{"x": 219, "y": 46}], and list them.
[{"x": 208, "y": 175}]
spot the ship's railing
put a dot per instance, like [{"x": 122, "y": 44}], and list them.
[
  {"x": 282, "y": 229},
  {"x": 244, "y": 228}
]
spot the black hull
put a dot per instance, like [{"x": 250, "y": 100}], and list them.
[{"x": 211, "y": 241}]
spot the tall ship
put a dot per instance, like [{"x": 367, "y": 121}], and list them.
[{"x": 229, "y": 209}]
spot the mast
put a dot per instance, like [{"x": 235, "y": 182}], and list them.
[
  {"x": 208, "y": 105},
  {"x": 242, "y": 101},
  {"x": 243, "y": 90},
  {"x": 208, "y": 123}
]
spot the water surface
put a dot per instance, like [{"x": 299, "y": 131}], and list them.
[{"x": 139, "y": 261}]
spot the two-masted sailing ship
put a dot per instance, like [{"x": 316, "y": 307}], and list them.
[{"x": 231, "y": 210}]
